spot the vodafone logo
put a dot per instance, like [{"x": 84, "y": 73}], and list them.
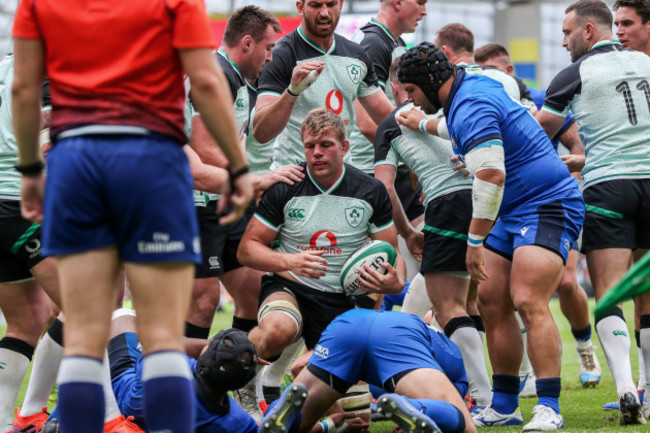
[
  {"x": 322, "y": 240},
  {"x": 334, "y": 101}
]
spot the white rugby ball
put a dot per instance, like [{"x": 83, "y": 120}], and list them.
[{"x": 373, "y": 254}]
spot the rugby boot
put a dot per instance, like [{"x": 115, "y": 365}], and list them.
[{"x": 30, "y": 423}]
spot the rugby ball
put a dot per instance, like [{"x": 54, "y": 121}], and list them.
[{"x": 373, "y": 254}]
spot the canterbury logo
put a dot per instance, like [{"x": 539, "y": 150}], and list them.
[
  {"x": 3, "y": 365},
  {"x": 296, "y": 214},
  {"x": 620, "y": 333}
]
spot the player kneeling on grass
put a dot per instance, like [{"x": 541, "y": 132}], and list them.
[
  {"x": 226, "y": 362},
  {"x": 420, "y": 366}
]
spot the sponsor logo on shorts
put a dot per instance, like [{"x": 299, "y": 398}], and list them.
[
  {"x": 322, "y": 240},
  {"x": 524, "y": 231},
  {"x": 354, "y": 216},
  {"x": 296, "y": 214},
  {"x": 33, "y": 247},
  {"x": 214, "y": 262},
  {"x": 196, "y": 245},
  {"x": 567, "y": 245},
  {"x": 162, "y": 244},
  {"x": 321, "y": 351}
]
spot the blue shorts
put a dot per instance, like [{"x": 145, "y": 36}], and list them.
[
  {"x": 134, "y": 192},
  {"x": 377, "y": 346},
  {"x": 554, "y": 226}
]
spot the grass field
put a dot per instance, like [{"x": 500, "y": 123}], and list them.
[{"x": 581, "y": 408}]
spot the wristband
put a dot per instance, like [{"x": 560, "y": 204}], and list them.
[
  {"x": 33, "y": 169},
  {"x": 475, "y": 240},
  {"x": 423, "y": 125},
  {"x": 294, "y": 95},
  {"x": 233, "y": 175},
  {"x": 328, "y": 424}
]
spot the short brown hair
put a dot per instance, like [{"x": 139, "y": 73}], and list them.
[
  {"x": 489, "y": 51},
  {"x": 392, "y": 71},
  {"x": 457, "y": 37},
  {"x": 320, "y": 120},
  {"x": 249, "y": 20},
  {"x": 591, "y": 9},
  {"x": 642, "y": 7}
]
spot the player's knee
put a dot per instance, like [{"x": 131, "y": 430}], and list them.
[
  {"x": 568, "y": 284},
  {"x": 280, "y": 323}
]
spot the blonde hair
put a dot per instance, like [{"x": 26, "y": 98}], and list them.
[{"x": 320, "y": 120}]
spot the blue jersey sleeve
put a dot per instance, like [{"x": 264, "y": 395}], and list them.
[{"x": 476, "y": 120}]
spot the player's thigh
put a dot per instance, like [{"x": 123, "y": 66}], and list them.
[
  {"x": 494, "y": 293},
  {"x": 439, "y": 386},
  {"x": 535, "y": 274},
  {"x": 606, "y": 267},
  {"x": 320, "y": 398},
  {"x": 26, "y": 309}
]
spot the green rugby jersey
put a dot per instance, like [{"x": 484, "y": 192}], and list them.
[
  {"x": 608, "y": 93},
  {"x": 338, "y": 220},
  {"x": 348, "y": 74},
  {"x": 426, "y": 155},
  {"x": 259, "y": 155},
  {"x": 382, "y": 48}
]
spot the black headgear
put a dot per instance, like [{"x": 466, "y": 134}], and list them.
[
  {"x": 426, "y": 66},
  {"x": 229, "y": 362}
]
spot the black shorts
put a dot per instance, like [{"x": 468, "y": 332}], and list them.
[
  {"x": 317, "y": 308},
  {"x": 409, "y": 197},
  {"x": 446, "y": 224},
  {"x": 618, "y": 215},
  {"x": 20, "y": 243},
  {"x": 218, "y": 243}
]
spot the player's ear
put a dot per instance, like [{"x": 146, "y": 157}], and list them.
[
  {"x": 345, "y": 146},
  {"x": 246, "y": 43},
  {"x": 509, "y": 69}
]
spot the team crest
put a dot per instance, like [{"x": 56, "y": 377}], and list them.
[
  {"x": 355, "y": 73},
  {"x": 354, "y": 216}
]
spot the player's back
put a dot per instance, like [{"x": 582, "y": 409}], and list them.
[
  {"x": 534, "y": 172},
  {"x": 9, "y": 177}
]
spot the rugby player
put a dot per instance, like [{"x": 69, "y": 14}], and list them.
[
  {"x": 117, "y": 122},
  {"x": 632, "y": 21},
  {"x": 443, "y": 246},
  {"x": 616, "y": 170},
  {"x": 316, "y": 223},
  {"x": 539, "y": 209},
  {"x": 573, "y": 299},
  {"x": 412, "y": 354}
]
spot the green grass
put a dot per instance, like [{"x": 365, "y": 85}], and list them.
[{"x": 581, "y": 408}]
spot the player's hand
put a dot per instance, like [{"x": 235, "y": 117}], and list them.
[
  {"x": 233, "y": 204},
  {"x": 375, "y": 282},
  {"x": 475, "y": 264},
  {"x": 304, "y": 76},
  {"x": 352, "y": 421},
  {"x": 308, "y": 264},
  {"x": 411, "y": 119},
  {"x": 575, "y": 162},
  {"x": 31, "y": 193},
  {"x": 288, "y": 174},
  {"x": 459, "y": 166},
  {"x": 415, "y": 244}
]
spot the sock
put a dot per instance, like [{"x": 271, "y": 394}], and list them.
[
  {"x": 47, "y": 359},
  {"x": 15, "y": 356},
  {"x": 417, "y": 300},
  {"x": 445, "y": 414},
  {"x": 461, "y": 331},
  {"x": 644, "y": 351},
  {"x": 582, "y": 334},
  {"x": 111, "y": 409},
  {"x": 615, "y": 341},
  {"x": 505, "y": 397},
  {"x": 376, "y": 391},
  {"x": 548, "y": 392},
  {"x": 193, "y": 331},
  {"x": 81, "y": 395},
  {"x": 525, "y": 367},
  {"x": 272, "y": 375},
  {"x": 243, "y": 324},
  {"x": 168, "y": 392},
  {"x": 480, "y": 327}
]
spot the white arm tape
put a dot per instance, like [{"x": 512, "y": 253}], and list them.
[
  {"x": 486, "y": 199},
  {"x": 443, "y": 132},
  {"x": 305, "y": 83},
  {"x": 485, "y": 158}
]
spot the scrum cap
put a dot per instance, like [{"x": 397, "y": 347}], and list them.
[
  {"x": 229, "y": 362},
  {"x": 426, "y": 66}
]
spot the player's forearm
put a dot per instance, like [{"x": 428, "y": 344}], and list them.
[
  {"x": 365, "y": 124},
  {"x": 204, "y": 145},
  {"x": 258, "y": 256},
  {"x": 272, "y": 118}
]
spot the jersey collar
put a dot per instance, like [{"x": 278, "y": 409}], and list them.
[
  {"x": 221, "y": 52},
  {"x": 333, "y": 187},
  {"x": 603, "y": 43},
  {"x": 251, "y": 86},
  {"x": 384, "y": 28},
  {"x": 458, "y": 79},
  {"x": 314, "y": 45}
]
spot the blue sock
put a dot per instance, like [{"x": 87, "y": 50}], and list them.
[
  {"x": 548, "y": 392},
  {"x": 81, "y": 395},
  {"x": 294, "y": 424},
  {"x": 582, "y": 334},
  {"x": 168, "y": 393},
  {"x": 376, "y": 391},
  {"x": 505, "y": 399},
  {"x": 446, "y": 415}
]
